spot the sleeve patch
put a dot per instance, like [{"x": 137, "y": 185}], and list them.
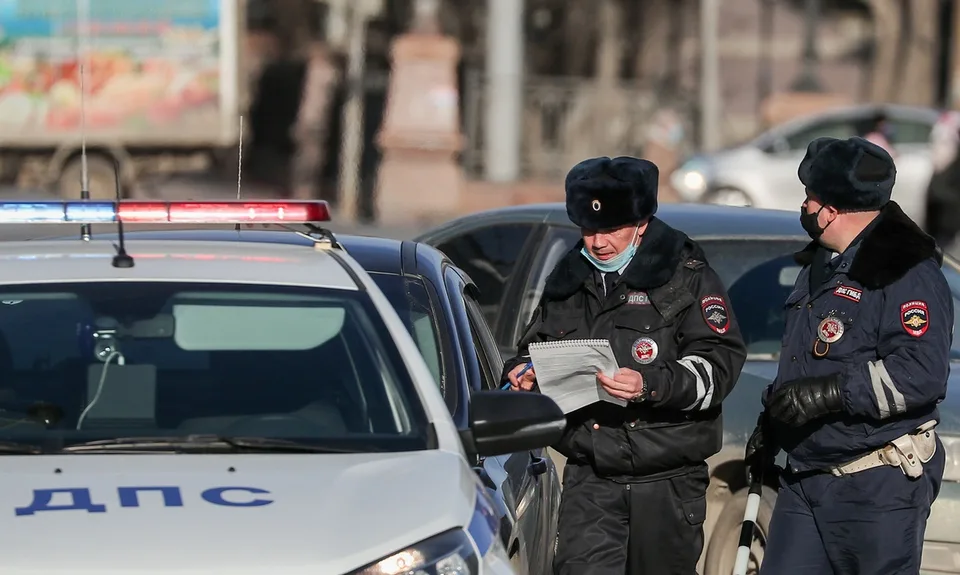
[
  {"x": 715, "y": 313},
  {"x": 914, "y": 317}
]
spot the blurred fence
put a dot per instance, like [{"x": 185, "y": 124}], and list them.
[{"x": 567, "y": 119}]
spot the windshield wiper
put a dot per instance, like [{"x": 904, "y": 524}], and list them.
[
  {"x": 200, "y": 443},
  {"x": 16, "y": 448}
]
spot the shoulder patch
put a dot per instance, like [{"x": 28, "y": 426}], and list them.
[
  {"x": 850, "y": 293},
  {"x": 715, "y": 313},
  {"x": 914, "y": 317}
]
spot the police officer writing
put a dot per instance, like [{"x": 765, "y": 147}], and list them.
[
  {"x": 635, "y": 479},
  {"x": 864, "y": 364}
]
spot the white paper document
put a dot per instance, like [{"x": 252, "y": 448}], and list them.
[{"x": 567, "y": 371}]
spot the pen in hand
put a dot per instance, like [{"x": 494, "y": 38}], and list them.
[{"x": 522, "y": 371}]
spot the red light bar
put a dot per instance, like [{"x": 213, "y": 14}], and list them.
[{"x": 226, "y": 212}]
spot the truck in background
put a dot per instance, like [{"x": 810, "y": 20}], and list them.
[{"x": 163, "y": 90}]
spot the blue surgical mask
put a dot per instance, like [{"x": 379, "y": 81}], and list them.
[{"x": 616, "y": 262}]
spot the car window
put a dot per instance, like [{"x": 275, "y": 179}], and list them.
[
  {"x": 910, "y": 131},
  {"x": 289, "y": 362},
  {"x": 489, "y": 255},
  {"x": 409, "y": 298},
  {"x": 484, "y": 342},
  {"x": 831, "y": 127},
  {"x": 556, "y": 244}
]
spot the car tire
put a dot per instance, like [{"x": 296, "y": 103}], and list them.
[
  {"x": 726, "y": 197},
  {"x": 100, "y": 172},
  {"x": 722, "y": 549}
]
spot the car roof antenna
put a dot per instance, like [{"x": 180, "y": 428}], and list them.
[
  {"x": 83, "y": 15},
  {"x": 122, "y": 259},
  {"x": 239, "y": 168}
]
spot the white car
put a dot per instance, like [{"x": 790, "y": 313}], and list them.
[
  {"x": 187, "y": 407},
  {"x": 762, "y": 173}
]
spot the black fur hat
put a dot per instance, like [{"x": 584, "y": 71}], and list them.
[
  {"x": 852, "y": 175},
  {"x": 604, "y": 193}
]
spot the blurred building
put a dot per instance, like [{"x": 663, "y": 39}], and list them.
[{"x": 625, "y": 76}]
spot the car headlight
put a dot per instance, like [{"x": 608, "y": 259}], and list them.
[
  {"x": 690, "y": 178},
  {"x": 951, "y": 448},
  {"x": 455, "y": 552}
]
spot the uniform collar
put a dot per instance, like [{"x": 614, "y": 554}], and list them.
[
  {"x": 884, "y": 251},
  {"x": 655, "y": 262}
]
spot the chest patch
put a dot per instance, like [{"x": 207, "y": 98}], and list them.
[
  {"x": 638, "y": 298},
  {"x": 830, "y": 330},
  {"x": 715, "y": 313},
  {"x": 645, "y": 350},
  {"x": 914, "y": 317},
  {"x": 852, "y": 294}
]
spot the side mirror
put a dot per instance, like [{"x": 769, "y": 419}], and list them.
[{"x": 503, "y": 422}]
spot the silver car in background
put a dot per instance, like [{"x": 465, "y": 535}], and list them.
[{"x": 762, "y": 173}]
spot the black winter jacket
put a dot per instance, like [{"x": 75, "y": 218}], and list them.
[{"x": 668, "y": 318}]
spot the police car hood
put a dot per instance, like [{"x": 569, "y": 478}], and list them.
[{"x": 326, "y": 513}]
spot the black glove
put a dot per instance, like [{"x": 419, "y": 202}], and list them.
[
  {"x": 761, "y": 450},
  {"x": 803, "y": 400}
]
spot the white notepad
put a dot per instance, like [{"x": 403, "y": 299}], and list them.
[{"x": 567, "y": 371}]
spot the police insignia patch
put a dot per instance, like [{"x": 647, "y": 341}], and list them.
[
  {"x": 715, "y": 313},
  {"x": 645, "y": 350},
  {"x": 914, "y": 317}
]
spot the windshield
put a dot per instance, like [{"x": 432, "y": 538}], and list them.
[{"x": 82, "y": 362}]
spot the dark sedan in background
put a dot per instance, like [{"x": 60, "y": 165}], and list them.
[
  {"x": 438, "y": 304},
  {"x": 510, "y": 252}
]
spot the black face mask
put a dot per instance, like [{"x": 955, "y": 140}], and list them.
[{"x": 809, "y": 223}]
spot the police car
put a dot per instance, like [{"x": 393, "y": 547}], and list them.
[{"x": 224, "y": 407}]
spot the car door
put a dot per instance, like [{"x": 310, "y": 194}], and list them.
[
  {"x": 518, "y": 475},
  {"x": 492, "y": 470},
  {"x": 911, "y": 139},
  {"x": 533, "y": 475}
]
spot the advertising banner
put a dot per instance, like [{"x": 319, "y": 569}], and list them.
[{"x": 152, "y": 69}]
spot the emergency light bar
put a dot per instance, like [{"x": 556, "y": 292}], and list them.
[{"x": 224, "y": 212}]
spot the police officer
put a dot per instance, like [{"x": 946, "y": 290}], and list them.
[
  {"x": 635, "y": 479},
  {"x": 864, "y": 363}
]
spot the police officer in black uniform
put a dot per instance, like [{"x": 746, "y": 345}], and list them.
[
  {"x": 635, "y": 479},
  {"x": 864, "y": 364}
]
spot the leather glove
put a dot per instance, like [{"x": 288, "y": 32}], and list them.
[
  {"x": 803, "y": 400},
  {"x": 761, "y": 450}
]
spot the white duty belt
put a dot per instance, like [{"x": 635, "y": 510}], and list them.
[{"x": 908, "y": 452}]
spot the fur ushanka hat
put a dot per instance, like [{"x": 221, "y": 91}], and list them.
[
  {"x": 850, "y": 175},
  {"x": 605, "y": 193}
]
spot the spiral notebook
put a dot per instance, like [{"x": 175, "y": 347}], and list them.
[{"x": 567, "y": 371}]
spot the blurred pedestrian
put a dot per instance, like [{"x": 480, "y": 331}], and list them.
[
  {"x": 635, "y": 480},
  {"x": 882, "y": 133},
  {"x": 942, "y": 219},
  {"x": 311, "y": 129},
  {"x": 864, "y": 363}
]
